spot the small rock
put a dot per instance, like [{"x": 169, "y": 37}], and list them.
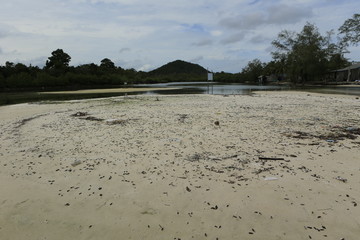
[
  {"x": 76, "y": 162},
  {"x": 344, "y": 180},
  {"x": 215, "y": 208}
]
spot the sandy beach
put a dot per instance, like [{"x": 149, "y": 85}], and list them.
[{"x": 273, "y": 165}]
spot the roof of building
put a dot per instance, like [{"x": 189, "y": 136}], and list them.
[{"x": 354, "y": 66}]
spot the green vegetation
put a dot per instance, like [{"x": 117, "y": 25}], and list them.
[
  {"x": 178, "y": 71},
  {"x": 303, "y": 57},
  {"x": 307, "y": 56},
  {"x": 351, "y": 31},
  {"x": 58, "y": 61},
  {"x": 57, "y": 74}
]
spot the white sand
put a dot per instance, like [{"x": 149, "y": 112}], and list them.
[{"x": 184, "y": 167}]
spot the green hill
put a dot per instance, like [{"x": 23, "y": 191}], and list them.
[{"x": 179, "y": 71}]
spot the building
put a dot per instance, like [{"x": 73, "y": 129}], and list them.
[{"x": 348, "y": 74}]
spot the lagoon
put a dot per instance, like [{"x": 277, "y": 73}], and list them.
[
  {"x": 242, "y": 89},
  {"x": 173, "y": 88}
]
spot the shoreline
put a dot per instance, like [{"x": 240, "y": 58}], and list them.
[
  {"x": 108, "y": 90},
  {"x": 20, "y": 97},
  {"x": 272, "y": 165}
]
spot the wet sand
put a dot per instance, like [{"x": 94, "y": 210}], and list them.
[{"x": 274, "y": 165}]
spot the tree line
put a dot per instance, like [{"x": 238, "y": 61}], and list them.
[
  {"x": 306, "y": 56},
  {"x": 299, "y": 57},
  {"x": 57, "y": 73}
]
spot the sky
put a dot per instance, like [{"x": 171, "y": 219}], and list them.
[{"x": 220, "y": 35}]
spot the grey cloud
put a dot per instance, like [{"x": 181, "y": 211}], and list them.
[
  {"x": 234, "y": 38},
  {"x": 288, "y": 14},
  {"x": 82, "y": 28},
  {"x": 244, "y": 22},
  {"x": 122, "y": 63},
  {"x": 259, "y": 39},
  {"x": 138, "y": 64},
  {"x": 269, "y": 49},
  {"x": 278, "y": 14},
  {"x": 12, "y": 31},
  {"x": 145, "y": 67},
  {"x": 254, "y": 2},
  {"x": 40, "y": 61},
  {"x": 13, "y": 53},
  {"x": 204, "y": 42},
  {"x": 197, "y": 59},
  {"x": 124, "y": 50},
  {"x": 3, "y": 34},
  {"x": 6, "y": 30}
]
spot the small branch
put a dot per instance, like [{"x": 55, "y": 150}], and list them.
[{"x": 273, "y": 159}]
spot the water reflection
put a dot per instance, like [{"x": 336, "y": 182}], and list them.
[
  {"x": 208, "y": 88},
  {"x": 181, "y": 88},
  {"x": 241, "y": 89},
  {"x": 336, "y": 90}
]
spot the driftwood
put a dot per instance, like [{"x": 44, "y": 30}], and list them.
[
  {"x": 91, "y": 118},
  {"x": 79, "y": 114},
  {"x": 273, "y": 159}
]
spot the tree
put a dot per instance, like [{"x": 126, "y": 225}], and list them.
[
  {"x": 351, "y": 31},
  {"x": 107, "y": 64},
  {"x": 19, "y": 80},
  {"x": 19, "y": 67},
  {"x": 90, "y": 68},
  {"x": 9, "y": 64},
  {"x": 2, "y": 81},
  {"x": 274, "y": 69},
  {"x": 8, "y": 69},
  {"x": 305, "y": 55},
  {"x": 335, "y": 53},
  {"x": 337, "y": 61},
  {"x": 58, "y": 60},
  {"x": 252, "y": 71}
]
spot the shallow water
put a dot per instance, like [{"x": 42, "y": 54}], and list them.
[
  {"x": 336, "y": 90},
  {"x": 210, "y": 88},
  {"x": 242, "y": 89},
  {"x": 168, "y": 88}
]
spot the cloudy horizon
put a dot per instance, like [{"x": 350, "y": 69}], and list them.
[{"x": 218, "y": 35}]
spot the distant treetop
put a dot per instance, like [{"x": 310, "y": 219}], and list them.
[{"x": 59, "y": 59}]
